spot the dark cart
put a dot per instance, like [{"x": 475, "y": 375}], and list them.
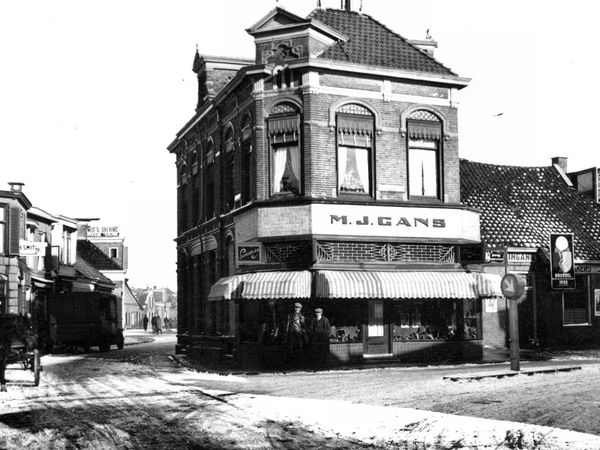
[
  {"x": 18, "y": 345},
  {"x": 83, "y": 319}
]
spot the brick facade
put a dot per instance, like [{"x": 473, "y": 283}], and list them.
[{"x": 282, "y": 74}]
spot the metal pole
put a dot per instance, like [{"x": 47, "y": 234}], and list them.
[{"x": 513, "y": 318}]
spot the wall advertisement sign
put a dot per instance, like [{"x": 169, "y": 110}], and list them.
[
  {"x": 29, "y": 248},
  {"x": 562, "y": 270},
  {"x": 248, "y": 254},
  {"x": 597, "y": 302}
]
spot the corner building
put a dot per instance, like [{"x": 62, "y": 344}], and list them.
[{"x": 325, "y": 171}]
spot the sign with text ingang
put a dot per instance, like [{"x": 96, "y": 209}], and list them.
[{"x": 395, "y": 221}]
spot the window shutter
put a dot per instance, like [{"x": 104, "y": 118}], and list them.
[{"x": 14, "y": 232}]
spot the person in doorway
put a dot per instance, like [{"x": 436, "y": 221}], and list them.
[
  {"x": 145, "y": 322},
  {"x": 320, "y": 330},
  {"x": 295, "y": 329}
]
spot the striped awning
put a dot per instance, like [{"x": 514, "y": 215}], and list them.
[
  {"x": 411, "y": 285},
  {"x": 263, "y": 285},
  {"x": 225, "y": 288}
]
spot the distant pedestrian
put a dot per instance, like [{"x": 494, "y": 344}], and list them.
[
  {"x": 158, "y": 322},
  {"x": 167, "y": 323},
  {"x": 153, "y": 323},
  {"x": 145, "y": 321}
]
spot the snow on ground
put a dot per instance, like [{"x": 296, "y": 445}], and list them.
[{"x": 139, "y": 398}]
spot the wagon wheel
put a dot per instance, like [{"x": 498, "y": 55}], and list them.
[
  {"x": 37, "y": 367},
  {"x": 26, "y": 360}
]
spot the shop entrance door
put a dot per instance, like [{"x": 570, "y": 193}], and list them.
[{"x": 377, "y": 340}]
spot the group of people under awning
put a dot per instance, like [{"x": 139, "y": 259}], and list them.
[{"x": 310, "y": 335}]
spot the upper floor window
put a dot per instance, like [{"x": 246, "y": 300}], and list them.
[
  {"x": 2, "y": 229},
  {"x": 424, "y": 155},
  {"x": 209, "y": 198},
  {"x": 246, "y": 150},
  {"x": 284, "y": 136},
  {"x": 229, "y": 169},
  {"x": 66, "y": 247},
  {"x": 355, "y": 149},
  {"x": 113, "y": 252}
]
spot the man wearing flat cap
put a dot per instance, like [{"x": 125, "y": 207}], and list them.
[
  {"x": 295, "y": 329},
  {"x": 320, "y": 329}
]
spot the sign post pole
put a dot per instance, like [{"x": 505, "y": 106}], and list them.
[
  {"x": 513, "y": 287},
  {"x": 513, "y": 322}
]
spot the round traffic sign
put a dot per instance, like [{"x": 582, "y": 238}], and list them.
[{"x": 512, "y": 286}]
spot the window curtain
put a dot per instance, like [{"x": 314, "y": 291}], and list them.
[
  {"x": 295, "y": 160},
  {"x": 279, "y": 160},
  {"x": 362, "y": 165},
  {"x": 342, "y": 161},
  {"x": 423, "y": 173}
]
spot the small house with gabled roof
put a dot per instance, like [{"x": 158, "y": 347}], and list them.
[{"x": 521, "y": 208}]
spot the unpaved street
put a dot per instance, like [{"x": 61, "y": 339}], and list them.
[
  {"x": 140, "y": 398},
  {"x": 100, "y": 401}
]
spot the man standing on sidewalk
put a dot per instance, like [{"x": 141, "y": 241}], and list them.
[{"x": 320, "y": 329}]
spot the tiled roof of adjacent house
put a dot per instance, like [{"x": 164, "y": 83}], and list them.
[
  {"x": 521, "y": 206},
  {"x": 96, "y": 257},
  {"x": 85, "y": 269},
  {"x": 372, "y": 43}
]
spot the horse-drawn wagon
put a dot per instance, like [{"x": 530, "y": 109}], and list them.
[{"x": 18, "y": 347}]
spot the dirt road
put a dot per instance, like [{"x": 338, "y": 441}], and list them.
[{"x": 140, "y": 398}]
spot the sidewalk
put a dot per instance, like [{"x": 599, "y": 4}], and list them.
[
  {"x": 406, "y": 428},
  {"x": 402, "y": 428}
]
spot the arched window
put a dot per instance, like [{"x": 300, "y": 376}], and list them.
[
  {"x": 284, "y": 137},
  {"x": 229, "y": 159},
  {"x": 209, "y": 192},
  {"x": 354, "y": 125},
  {"x": 424, "y": 155},
  {"x": 246, "y": 150}
]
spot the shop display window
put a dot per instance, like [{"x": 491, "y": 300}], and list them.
[{"x": 436, "y": 319}]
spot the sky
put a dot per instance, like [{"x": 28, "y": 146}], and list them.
[{"x": 93, "y": 92}]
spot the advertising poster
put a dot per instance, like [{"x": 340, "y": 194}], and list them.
[
  {"x": 597, "y": 301},
  {"x": 562, "y": 272}
]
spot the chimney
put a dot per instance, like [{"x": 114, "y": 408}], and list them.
[
  {"x": 426, "y": 45},
  {"x": 347, "y": 5},
  {"x": 560, "y": 161},
  {"x": 16, "y": 187}
]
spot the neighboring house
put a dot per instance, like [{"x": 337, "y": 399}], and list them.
[
  {"x": 587, "y": 182},
  {"x": 159, "y": 301},
  {"x": 107, "y": 252},
  {"x": 133, "y": 308},
  {"x": 39, "y": 259},
  {"x": 520, "y": 208},
  {"x": 325, "y": 171},
  {"x": 14, "y": 276}
]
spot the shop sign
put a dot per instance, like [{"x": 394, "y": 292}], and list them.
[
  {"x": 29, "y": 248},
  {"x": 562, "y": 271},
  {"x": 248, "y": 254},
  {"x": 520, "y": 257},
  {"x": 494, "y": 256},
  {"x": 362, "y": 220},
  {"x": 102, "y": 231},
  {"x": 586, "y": 269}
]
